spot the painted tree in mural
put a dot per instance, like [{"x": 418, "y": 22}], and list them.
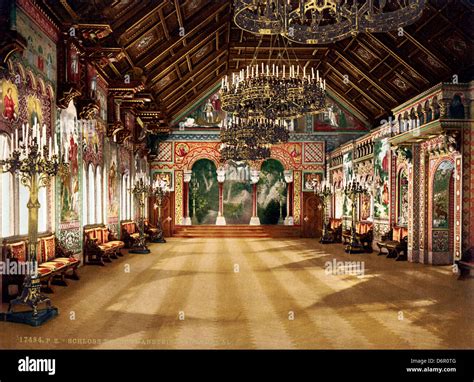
[
  {"x": 237, "y": 194},
  {"x": 204, "y": 193},
  {"x": 271, "y": 192},
  {"x": 441, "y": 187},
  {"x": 381, "y": 179}
]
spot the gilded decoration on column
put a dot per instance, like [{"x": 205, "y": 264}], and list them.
[
  {"x": 297, "y": 197},
  {"x": 178, "y": 196}
]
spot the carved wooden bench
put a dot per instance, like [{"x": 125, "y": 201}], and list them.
[
  {"x": 335, "y": 229},
  {"x": 100, "y": 245},
  {"x": 154, "y": 234},
  {"x": 395, "y": 241},
  {"x": 129, "y": 233},
  {"x": 54, "y": 263},
  {"x": 364, "y": 235}
]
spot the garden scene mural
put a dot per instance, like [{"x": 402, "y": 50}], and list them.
[
  {"x": 237, "y": 194},
  {"x": 271, "y": 199},
  {"x": 204, "y": 193},
  {"x": 441, "y": 182}
]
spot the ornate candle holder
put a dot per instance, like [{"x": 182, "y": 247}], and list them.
[
  {"x": 36, "y": 162},
  {"x": 353, "y": 191},
  {"x": 159, "y": 191},
  {"x": 141, "y": 190},
  {"x": 324, "y": 192}
]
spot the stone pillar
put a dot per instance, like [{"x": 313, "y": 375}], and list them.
[
  {"x": 254, "y": 178},
  {"x": 186, "y": 179},
  {"x": 220, "y": 179},
  {"x": 288, "y": 174}
]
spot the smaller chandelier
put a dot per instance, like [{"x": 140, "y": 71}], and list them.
[{"x": 251, "y": 139}]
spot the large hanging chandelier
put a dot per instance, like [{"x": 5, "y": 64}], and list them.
[
  {"x": 273, "y": 92},
  {"x": 324, "y": 21}
]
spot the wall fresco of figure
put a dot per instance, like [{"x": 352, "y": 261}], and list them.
[
  {"x": 69, "y": 190},
  {"x": 381, "y": 178},
  {"x": 9, "y": 101}
]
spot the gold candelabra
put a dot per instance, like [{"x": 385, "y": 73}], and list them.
[
  {"x": 35, "y": 160},
  {"x": 159, "y": 191},
  {"x": 353, "y": 191},
  {"x": 141, "y": 191}
]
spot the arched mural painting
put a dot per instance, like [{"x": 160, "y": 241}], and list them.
[
  {"x": 271, "y": 197},
  {"x": 203, "y": 193}
]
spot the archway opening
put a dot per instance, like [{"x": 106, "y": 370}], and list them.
[
  {"x": 237, "y": 195},
  {"x": 203, "y": 193},
  {"x": 272, "y": 191}
]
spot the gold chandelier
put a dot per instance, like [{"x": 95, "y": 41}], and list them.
[{"x": 324, "y": 21}]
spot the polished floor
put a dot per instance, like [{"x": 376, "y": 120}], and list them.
[{"x": 255, "y": 293}]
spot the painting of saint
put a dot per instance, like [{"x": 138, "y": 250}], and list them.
[
  {"x": 69, "y": 180},
  {"x": 9, "y": 101},
  {"x": 381, "y": 172},
  {"x": 309, "y": 179},
  {"x": 35, "y": 114},
  {"x": 112, "y": 190}
]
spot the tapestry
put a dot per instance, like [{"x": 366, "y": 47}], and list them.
[
  {"x": 237, "y": 195},
  {"x": 441, "y": 181},
  {"x": 272, "y": 190},
  {"x": 381, "y": 178},
  {"x": 204, "y": 193}
]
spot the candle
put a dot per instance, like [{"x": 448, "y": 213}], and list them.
[
  {"x": 16, "y": 138},
  {"x": 283, "y": 71},
  {"x": 312, "y": 73},
  {"x": 317, "y": 75}
]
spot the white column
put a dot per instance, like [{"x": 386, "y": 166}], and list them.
[
  {"x": 187, "y": 179},
  {"x": 288, "y": 174},
  {"x": 254, "y": 178},
  {"x": 221, "y": 178}
]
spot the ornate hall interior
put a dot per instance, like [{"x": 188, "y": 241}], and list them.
[{"x": 244, "y": 174}]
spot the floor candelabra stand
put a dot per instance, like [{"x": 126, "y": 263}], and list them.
[
  {"x": 325, "y": 193},
  {"x": 141, "y": 190},
  {"x": 159, "y": 191},
  {"x": 36, "y": 162},
  {"x": 353, "y": 191}
]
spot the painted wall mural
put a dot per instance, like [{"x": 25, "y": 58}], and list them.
[
  {"x": 237, "y": 194},
  {"x": 9, "y": 101},
  {"x": 40, "y": 54},
  {"x": 403, "y": 204},
  {"x": 271, "y": 198},
  {"x": 113, "y": 186},
  {"x": 208, "y": 113},
  {"x": 69, "y": 181},
  {"x": 381, "y": 178},
  {"x": 336, "y": 117},
  {"x": 441, "y": 182},
  {"x": 204, "y": 193},
  {"x": 348, "y": 172}
]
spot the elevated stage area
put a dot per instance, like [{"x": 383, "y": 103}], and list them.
[{"x": 210, "y": 231}]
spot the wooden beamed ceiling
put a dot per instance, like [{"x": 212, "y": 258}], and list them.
[{"x": 182, "y": 48}]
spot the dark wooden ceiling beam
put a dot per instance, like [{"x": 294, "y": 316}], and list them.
[
  {"x": 192, "y": 27},
  {"x": 357, "y": 68},
  {"x": 157, "y": 73},
  {"x": 198, "y": 70}
]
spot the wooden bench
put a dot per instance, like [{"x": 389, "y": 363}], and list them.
[
  {"x": 335, "y": 229},
  {"x": 364, "y": 235},
  {"x": 129, "y": 233},
  {"x": 466, "y": 263},
  {"x": 154, "y": 234},
  {"x": 100, "y": 245},
  {"x": 395, "y": 241},
  {"x": 54, "y": 263}
]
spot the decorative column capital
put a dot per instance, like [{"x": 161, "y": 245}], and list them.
[
  {"x": 187, "y": 175},
  {"x": 288, "y": 175},
  {"x": 221, "y": 174},
  {"x": 254, "y": 176}
]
